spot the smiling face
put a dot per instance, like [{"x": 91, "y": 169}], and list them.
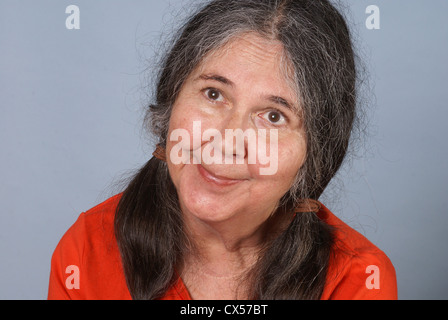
[{"x": 240, "y": 86}]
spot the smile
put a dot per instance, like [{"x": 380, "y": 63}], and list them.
[{"x": 218, "y": 180}]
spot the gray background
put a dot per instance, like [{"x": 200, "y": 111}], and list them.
[{"x": 70, "y": 128}]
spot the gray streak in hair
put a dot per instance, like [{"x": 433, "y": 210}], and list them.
[{"x": 318, "y": 49}]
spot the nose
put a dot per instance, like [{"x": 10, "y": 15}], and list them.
[{"x": 236, "y": 136}]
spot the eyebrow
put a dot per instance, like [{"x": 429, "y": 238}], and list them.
[
  {"x": 215, "y": 77},
  {"x": 281, "y": 101},
  {"x": 275, "y": 99}
]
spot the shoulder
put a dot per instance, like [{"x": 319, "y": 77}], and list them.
[
  {"x": 92, "y": 226},
  {"x": 358, "y": 269},
  {"x": 88, "y": 249},
  {"x": 97, "y": 223}
]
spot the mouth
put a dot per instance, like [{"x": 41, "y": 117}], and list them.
[{"x": 216, "y": 179}]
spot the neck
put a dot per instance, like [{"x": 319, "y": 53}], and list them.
[
  {"x": 223, "y": 253},
  {"x": 230, "y": 247},
  {"x": 223, "y": 245}
]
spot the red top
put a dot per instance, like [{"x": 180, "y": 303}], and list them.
[{"x": 86, "y": 263}]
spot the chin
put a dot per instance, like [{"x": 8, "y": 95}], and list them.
[
  {"x": 207, "y": 208},
  {"x": 207, "y": 200}
]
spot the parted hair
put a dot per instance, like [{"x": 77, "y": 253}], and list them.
[{"x": 317, "y": 44}]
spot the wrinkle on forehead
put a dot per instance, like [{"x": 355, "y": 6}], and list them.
[
  {"x": 253, "y": 46},
  {"x": 256, "y": 49}
]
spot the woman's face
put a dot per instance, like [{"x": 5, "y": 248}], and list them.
[{"x": 240, "y": 86}]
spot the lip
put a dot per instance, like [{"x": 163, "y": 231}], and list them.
[{"x": 218, "y": 180}]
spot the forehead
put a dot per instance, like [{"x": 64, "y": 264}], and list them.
[
  {"x": 251, "y": 58},
  {"x": 251, "y": 49}
]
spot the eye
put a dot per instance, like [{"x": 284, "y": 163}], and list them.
[
  {"x": 275, "y": 117},
  {"x": 213, "y": 95}
]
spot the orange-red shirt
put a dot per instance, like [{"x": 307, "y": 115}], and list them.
[{"x": 86, "y": 263}]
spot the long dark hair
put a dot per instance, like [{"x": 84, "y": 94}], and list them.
[{"x": 148, "y": 223}]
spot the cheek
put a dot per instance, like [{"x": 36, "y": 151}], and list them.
[
  {"x": 188, "y": 116},
  {"x": 281, "y": 157},
  {"x": 290, "y": 162},
  {"x": 290, "y": 158},
  {"x": 182, "y": 116},
  {"x": 186, "y": 126}
]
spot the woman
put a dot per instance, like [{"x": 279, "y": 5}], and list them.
[{"x": 211, "y": 218}]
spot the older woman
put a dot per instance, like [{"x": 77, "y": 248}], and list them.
[{"x": 211, "y": 218}]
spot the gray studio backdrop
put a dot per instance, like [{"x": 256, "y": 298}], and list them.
[{"x": 70, "y": 128}]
